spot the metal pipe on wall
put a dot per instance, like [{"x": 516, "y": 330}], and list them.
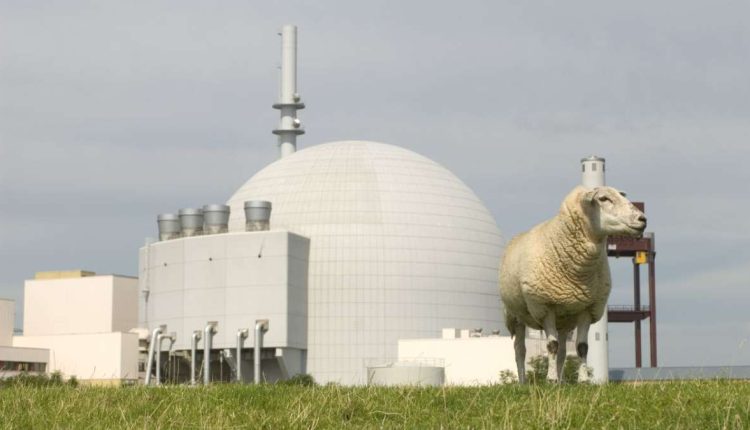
[
  {"x": 151, "y": 348},
  {"x": 194, "y": 355},
  {"x": 159, "y": 339},
  {"x": 241, "y": 336},
  {"x": 261, "y": 326},
  {"x": 208, "y": 334}
]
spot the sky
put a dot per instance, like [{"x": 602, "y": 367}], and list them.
[{"x": 113, "y": 112}]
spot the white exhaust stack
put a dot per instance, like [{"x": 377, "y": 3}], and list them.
[
  {"x": 152, "y": 349},
  {"x": 193, "y": 355},
  {"x": 208, "y": 336},
  {"x": 598, "y": 356},
  {"x": 289, "y": 99},
  {"x": 261, "y": 327}
]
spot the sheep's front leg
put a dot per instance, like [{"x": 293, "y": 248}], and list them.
[
  {"x": 553, "y": 346},
  {"x": 582, "y": 346},
  {"x": 519, "y": 344}
]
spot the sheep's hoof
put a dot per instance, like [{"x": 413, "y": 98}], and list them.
[
  {"x": 584, "y": 373},
  {"x": 583, "y": 349},
  {"x": 552, "y": 346}
]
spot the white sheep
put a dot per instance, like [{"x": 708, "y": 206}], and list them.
[{"x": 556, "y": 276}]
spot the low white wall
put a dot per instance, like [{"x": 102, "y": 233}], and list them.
[
  {"x": 472, "y": 360},
  {"x": 89, "y": 357},
  {"x": 468, "y": 361}
]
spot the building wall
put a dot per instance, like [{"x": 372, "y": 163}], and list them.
[
  {"x": 92, "y": 304},
  {"x": 7, "y": 320},
  {"x": 124, "y": 303},
  {"x": 232, "y": 278},
  {"x": 90, "y": 357}
]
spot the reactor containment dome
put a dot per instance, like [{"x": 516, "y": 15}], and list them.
[{"x": 399, "y": 248}]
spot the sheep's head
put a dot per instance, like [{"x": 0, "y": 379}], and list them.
[{"x": 613, "y": 214}]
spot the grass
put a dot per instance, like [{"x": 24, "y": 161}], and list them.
[{"x": 678, "y": 405}]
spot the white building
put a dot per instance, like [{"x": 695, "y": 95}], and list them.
[
  {"x": 232, "y": 279},
  {"x": 83, "y": 322}
]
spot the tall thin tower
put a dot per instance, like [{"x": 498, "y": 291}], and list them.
[
  {"x": 598, "y": 354},
  {"x": 289, "y": 100}
]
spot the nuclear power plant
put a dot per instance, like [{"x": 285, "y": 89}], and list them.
[{"x": 355, "y": 262}]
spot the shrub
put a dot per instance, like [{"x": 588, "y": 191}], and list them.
[
  {"x": 300, "y": 379},
  {"x": 537, "y": 374},
  {"x": 55, "y": 379}
]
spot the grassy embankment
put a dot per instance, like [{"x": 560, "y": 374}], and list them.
[{"x": 680, "y": 405}]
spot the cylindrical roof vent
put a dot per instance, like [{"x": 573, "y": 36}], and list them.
[
  {"x": 192, "y": 222},
  {"x": 169, "y": 226},
  {"x": 257, "y": 215},
  {"x": 216, "y": 219}
]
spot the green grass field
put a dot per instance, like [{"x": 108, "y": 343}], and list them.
[{"x": 679, "y": 405}]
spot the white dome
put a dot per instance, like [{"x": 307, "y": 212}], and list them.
[{"x": 399, "y": 248}]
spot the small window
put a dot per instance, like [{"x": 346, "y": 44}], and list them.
[
  {"x": 583, "y": 168},
  {"x": 593, "y": 167}
]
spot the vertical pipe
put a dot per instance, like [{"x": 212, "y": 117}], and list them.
[
  {"x": 261, "y": 326},
  {"x": 289, "y": 99},
  {"x": 288, "y": 63},
  {"x": 593, "y": 169},
  {"x": 637, "y": 305},
  {"x": 241, "y": 336},
  {"x": 159, "y": 339},
  {"x": 194, "y": 355},
  {"x": 652, "y": 302},
  {"x": 151, "y": 348},
  {"x": 208, "y": 334}
]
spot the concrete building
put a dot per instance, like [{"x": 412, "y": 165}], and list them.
[
  {"x": 399, "y": 248},
  {"x": 14, "y": 360},
  {"x": 83, "y": 322},
  {"x": 232, "y": 279},
  {"x": 370, "y": 243}
]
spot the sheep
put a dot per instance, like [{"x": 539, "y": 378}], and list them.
[{"x": 556, "y": 276}]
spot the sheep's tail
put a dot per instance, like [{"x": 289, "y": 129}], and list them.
[{"x": 511, "y": 323}]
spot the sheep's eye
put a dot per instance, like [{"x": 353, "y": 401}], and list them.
[{"x": 604, "y": 199}]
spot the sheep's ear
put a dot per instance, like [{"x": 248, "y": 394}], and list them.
[{"x": 590, "y": 195}]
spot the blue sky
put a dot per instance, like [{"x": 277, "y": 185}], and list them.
[{"x": 112, "y": 112}]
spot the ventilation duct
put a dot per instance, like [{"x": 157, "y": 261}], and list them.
[
  {"x": 257, "y": 215},
  {"x": 216, "y": 218},
  {"x": 192, "y": 222},
  {"x": 169, "y": 226}
]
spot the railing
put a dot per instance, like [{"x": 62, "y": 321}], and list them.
[{"x": 626, "y": 308}]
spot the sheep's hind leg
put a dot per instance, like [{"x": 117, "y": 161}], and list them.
[
  {"x": 561, "y": 353},
  {"x": 519, "y": 344},
  {"x": 553, "y": 346},
  {"x": 582, "y": 346}
]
